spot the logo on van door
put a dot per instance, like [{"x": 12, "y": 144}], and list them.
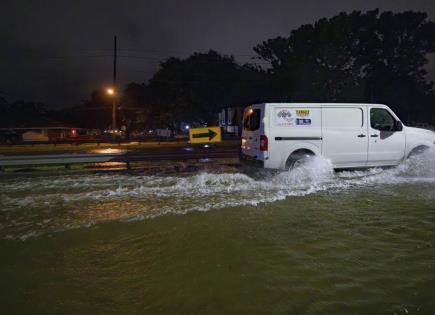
[
  {"x": 302, "y": 112},
  {"x": 284, "y": 114},
  {"x": 284, "y": 118},
  {"x": 303, "y": 121}
]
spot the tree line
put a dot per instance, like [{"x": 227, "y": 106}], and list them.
[{"x": 370, "y": 57}]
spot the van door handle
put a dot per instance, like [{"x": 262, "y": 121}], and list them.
[
  {"x": 374, "y": 136},
  {"x": 361, "y": 136}
]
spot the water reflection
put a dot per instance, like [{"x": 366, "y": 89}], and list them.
[{"x": 108, "y": 151}]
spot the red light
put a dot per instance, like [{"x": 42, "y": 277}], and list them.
[{"x": 264, "y": 143}]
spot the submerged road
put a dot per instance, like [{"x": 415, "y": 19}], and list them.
[{"x": 214, "y": 241}]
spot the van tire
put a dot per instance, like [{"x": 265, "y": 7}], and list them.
[
  {"x": 417, "y": 151},
  {"x": 297, "y": 158}
]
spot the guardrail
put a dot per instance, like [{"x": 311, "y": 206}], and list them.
[
  {"x": 83, "y": 158},
  {"x": 145, "y": 140},
  {"x": 93, "y": 141},
  {"x": 19, "y": 160}
]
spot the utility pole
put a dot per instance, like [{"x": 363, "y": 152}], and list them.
[{"x": 114, "y": 87}]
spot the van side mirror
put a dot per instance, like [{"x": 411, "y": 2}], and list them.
[{"x": 398, "y": 126}]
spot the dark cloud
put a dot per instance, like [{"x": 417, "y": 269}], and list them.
[{"x": 58, "y": 51}]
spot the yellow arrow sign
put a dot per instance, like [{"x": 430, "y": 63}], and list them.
[{"x": 205, "y": 135}]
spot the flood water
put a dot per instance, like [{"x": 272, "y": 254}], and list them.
[{"x": 309, "y": 241}]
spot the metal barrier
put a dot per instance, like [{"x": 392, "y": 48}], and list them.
[
  {"x": 78, "y": 158},
  {"x": 47, "y": 159}
]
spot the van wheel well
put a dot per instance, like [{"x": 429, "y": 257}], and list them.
[
  {"x": 418, "y": 150},
  {"x": 297, "y": 156}
]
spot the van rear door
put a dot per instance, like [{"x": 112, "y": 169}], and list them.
[{"x": 253, "y": 129}]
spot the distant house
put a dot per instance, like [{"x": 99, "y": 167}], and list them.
[
  {"x": 230, "y": 119},
  {"x": 39, "y": 130},
  {"x": 35, "y": 135}
]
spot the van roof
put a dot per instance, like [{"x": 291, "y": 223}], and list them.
[{"x": 319, "y": 104}]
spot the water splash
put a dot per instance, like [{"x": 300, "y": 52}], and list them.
[{"x": 39, "y": 205}]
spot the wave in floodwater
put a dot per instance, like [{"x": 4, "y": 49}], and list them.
[{"x": 40, "y": 205}]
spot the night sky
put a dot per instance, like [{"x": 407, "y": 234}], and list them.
[{"x": 57, "y": 52}]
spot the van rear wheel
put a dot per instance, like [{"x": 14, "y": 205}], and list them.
[{"x": 298, "y": 158}]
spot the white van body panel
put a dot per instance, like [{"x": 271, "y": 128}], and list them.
[
  {"x": 386, "y": 148},
  {"x": 289, "y": 131},
  {"x": 344, "y": 135},
  {"x": 347, "y": 134},
  {"x": 418, "y": 138}
]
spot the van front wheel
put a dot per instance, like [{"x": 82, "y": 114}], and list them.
[
  {"x": 418, "y": 151},
  {"x": 298, "y": 158}
]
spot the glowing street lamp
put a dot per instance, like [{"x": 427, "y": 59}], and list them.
[{"x": 111, "y": 92}]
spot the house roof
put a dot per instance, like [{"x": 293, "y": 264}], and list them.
[{"x": 38, "y": 122}]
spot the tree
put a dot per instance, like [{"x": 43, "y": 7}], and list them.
[
  {"x": 196, "y": 88},
  {"x": 22, "y": 114},
  {"x": 93, "y": 113},
  {"x": 370, "y": 57},
  {"x": 135, "y": 108},
  {"x": 3, "y": 102}
]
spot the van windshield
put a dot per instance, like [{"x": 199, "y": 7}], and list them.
[{"x": 251, "y": 121}]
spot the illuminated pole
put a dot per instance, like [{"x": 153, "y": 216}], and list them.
[{"x": 114, "y": 87}]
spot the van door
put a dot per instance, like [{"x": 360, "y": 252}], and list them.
[
  {"x": 344, "y": 133},
  {"x": 252, "y": 131},
  {"x": 386, "y": 141}
]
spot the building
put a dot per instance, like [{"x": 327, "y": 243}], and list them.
[
  {"x": 40, "y": 130},
  {"x": 230, "y": 119}
]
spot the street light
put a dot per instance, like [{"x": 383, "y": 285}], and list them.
[{"x": 111, "y": 92}]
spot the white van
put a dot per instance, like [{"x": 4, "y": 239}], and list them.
[{"x": 281, "y": 135}]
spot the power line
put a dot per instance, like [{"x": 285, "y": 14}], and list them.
[
  {"x": 162, "y": 56},
  {"x": 158, "y": 59},
  {"x": 179, "y": 52},
  {"x": 196, "y": 61}
]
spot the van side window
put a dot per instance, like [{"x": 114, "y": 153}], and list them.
[
  {"x": 381, "y": 119},
  {"x": 251, "y": 121}
]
